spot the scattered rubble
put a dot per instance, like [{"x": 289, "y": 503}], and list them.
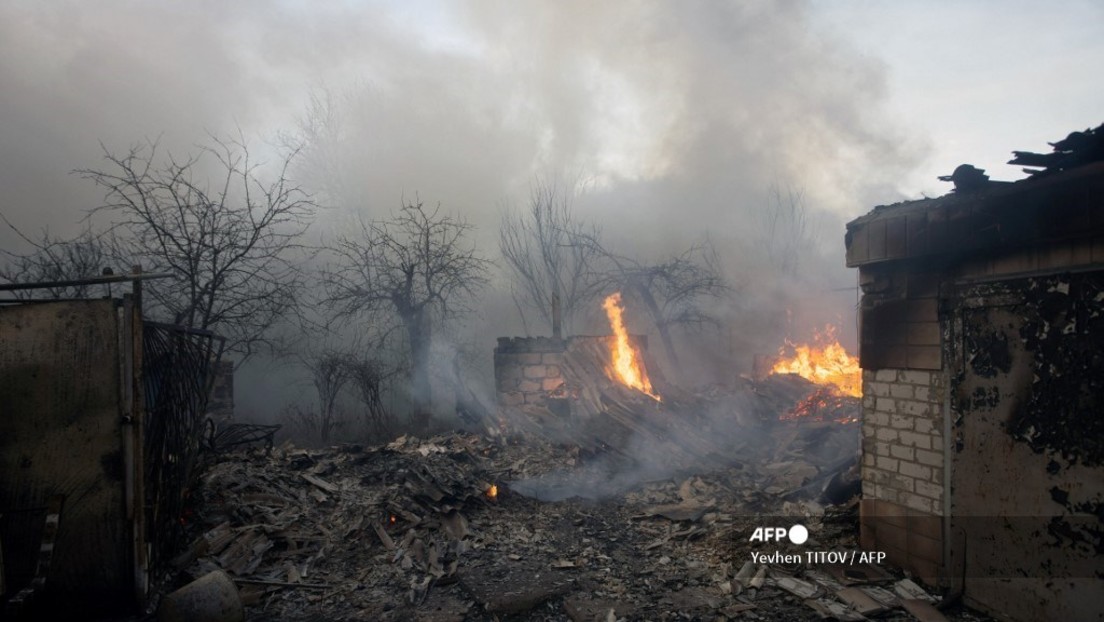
[{"x": 439, "y": 529}]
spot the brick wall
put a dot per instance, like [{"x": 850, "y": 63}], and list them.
[
  {"x": 527, "y": 369},
  {"x": 903, "y": 437},
  {"x": 903, "y": 447}
]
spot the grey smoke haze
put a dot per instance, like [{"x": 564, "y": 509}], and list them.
[{"x": 679, "y": 115}]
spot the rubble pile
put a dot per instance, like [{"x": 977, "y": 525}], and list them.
[{"x": 439, "y": 529}]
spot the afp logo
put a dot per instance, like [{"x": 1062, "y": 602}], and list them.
[{"x": 797, "y": 534}]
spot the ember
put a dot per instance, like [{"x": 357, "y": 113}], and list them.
[
  {"x": 492, "y": 492},
  {"x": 626, "y": 368},
  {"x": 826, "y": 362},
  {"x": 824, "y": 404}
]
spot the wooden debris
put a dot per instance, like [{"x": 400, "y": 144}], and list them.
[
  {"x": 686, "y": 511},
  {"x": 833, "y": 610},
  {"x": 860, "y": 601},
  {"x": 797, "y": 587},
  {"x": 267, "y": 582},
  {"x": 406, "y": 531},
  {"x": 587, "y": 608},
  {"x": 321, "y": 483},
  {"x": 908, "y": 589},
  {"x": 922, "y": 610}
]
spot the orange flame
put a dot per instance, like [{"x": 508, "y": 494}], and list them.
[
  {"x": 626, "y": 368},
  {"x": 826, "y": 362},
  {"x": 492, "y": 492}
]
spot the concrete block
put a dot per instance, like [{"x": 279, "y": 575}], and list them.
[
  {"x": 886, "y": 375},
  {"x": 932, "y": 491},
  {"x": 875, "y": 476},
  {"x": 915, "y": 470},
  {"x": 900, "y": 482},
  {"x": 886, "y": 405},
  {"x": 529, "y": 386},
  {"x": 879, "y": 389},
  {"x": 926, "y": 526},
  {"x": 929, "y": 458},
  {"x": 901, "y": 422},
  {"x": 923, "y": 425},
  {"x": 901, "y": 390},
  {"x": 912, "y": 439},
  {"x": 927, "y": 549},
  {"x": 889, "y": 464},
  {"x": 913, "y": 376},
  {"x": 534, "y": 372},
  {"x": 904, "y": 453},
  {"x": 922, "y": 394},
  {"x": 924, "y": 357},
  {"x": 551, "y": 384},
  {"x": 915, "y": 501},
  {"x": 886, "y": 434},
  {"x": 923, "y": 334},
  {"x": 876, "y": 418},
  {"x": 919, "y": 409},
  {"x": 552, "y": 371}
]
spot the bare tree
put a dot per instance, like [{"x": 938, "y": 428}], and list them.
[
  {"x": 319, "y": 135},
  {"x": 330, "y": 371},
  {"x": 367, "y": 376},
  {"x": 229, "y": 239},
  {"x": 57, "y": 259},
  {"x": 410, "y": 274},
  {"x": 785, "y": 232},
  {"x": 543, "y": 250},
  {"x": 674, "y": 292}
]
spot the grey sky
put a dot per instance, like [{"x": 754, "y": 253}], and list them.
[{"x": 681, "y": 114}]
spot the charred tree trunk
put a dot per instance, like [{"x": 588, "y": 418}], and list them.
[{"x": 419, "y": 333}]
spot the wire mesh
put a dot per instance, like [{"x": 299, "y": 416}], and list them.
[{"x": 177, "y": 372}]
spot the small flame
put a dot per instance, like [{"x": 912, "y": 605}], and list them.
[
  {"x": 492, "y": 492},
  {"x": 628, "y": 369},
  {"x": 826, "y": 362},
  {"x": 394, "y": 519}
]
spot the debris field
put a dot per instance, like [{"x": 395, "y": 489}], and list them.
[{"x": 478, "y": 527}]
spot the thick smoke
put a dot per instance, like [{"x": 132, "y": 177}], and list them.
[{"x": 679, "y": 117}]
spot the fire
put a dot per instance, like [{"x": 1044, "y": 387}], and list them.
[
  {"x": 826, "y": 362},
  {"x": 824, "y": 404},
  {"x": 626, "y": 368},
  {"x": 492, "y": 492}
]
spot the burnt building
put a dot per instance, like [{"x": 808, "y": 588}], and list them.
[{"x": 982, "y": 347}]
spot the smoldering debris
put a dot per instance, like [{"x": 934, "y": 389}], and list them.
[{"x": 431, "y": 530}]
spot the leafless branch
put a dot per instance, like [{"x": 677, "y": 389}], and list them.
[
  {"x": 545, "y": 253},
  {"x": 229, "y": 238},
  {"x": 412, "y": 272}
]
